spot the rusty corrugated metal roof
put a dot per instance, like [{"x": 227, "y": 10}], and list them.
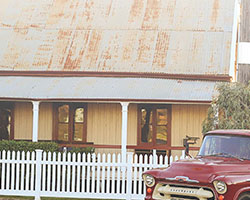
[
  {"x": 109, "y": 89},
  {"x": 161, "y": 36}
]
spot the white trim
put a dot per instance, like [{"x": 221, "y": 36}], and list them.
[
  {"x": 35, "y": 120},
  {"x": 234, "y": 40},
  {"x": 244, "y": 53}
]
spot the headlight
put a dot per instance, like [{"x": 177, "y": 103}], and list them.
[
  {"x": 220, "y": 187},
  {"x": 149, "y": 180}
]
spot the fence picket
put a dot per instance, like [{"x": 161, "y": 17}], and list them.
[
  {"x": 140, "y": 170},
  {"x": 17, "y": 170},
  {"x": 98, "y": 173},
  {"x": 83, "y": 172},
  {"x": 78, "y": 172},
  {"x": 166, "y": 160},
  {"x": 27, "y": 172},
  {"x": 161, "y": 160},
  {"x": 108, "y": 173},
  {"x": 58, "y": 180},
  {"x": 54, "y": 172},
  {"x": 113, "y": 173},
  {"x": 135, "y": 173},
  {"x": 73, "y": 172},
  {"x": 68, "y": 172},
  {"x": 171, "y": 159},
  {"x": 49, "y": 172},
  {"x": 93, "y": 173},
  {"x": 32, "y": 187},
  {"x": 13, "y": 157},
  {"x": 118, "y": 174},
  {"x": 3, "y": 171},
  {"x": 63, "y": 172},
  {"x": 22, "y": 170},
  {"x": 88, "y": 173},
  {"x": 44, "y": 171},
  {"x": 8, "y": 171},
  {"x": 103, "y": 172}
]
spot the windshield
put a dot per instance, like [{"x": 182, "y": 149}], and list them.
[{"x": 233, "y": 146}]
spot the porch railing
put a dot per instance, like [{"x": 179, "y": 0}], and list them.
[{"x": 101, "y": 176}]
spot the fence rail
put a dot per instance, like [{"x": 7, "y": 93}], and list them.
[{"x": 102, "y": 176}]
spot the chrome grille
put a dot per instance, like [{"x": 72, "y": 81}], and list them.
[{"x": 179, "y": 192}]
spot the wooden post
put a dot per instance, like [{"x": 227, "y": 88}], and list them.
[
  {"x": 124, "y": 129},
  {"x": 35, "y": 120}
]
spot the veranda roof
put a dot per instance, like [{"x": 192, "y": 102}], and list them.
[{"x": 105, "y": 89}]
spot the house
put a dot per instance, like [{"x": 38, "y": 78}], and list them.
[
  {"x": 130, "y": 75},
  {"x": 243, "y": 57}
]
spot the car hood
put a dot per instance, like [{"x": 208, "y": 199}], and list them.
[{"x": 202, "y": 169}]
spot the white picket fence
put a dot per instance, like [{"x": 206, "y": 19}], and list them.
[{"x": 75, "y": 175}]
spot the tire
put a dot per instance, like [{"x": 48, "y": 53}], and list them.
[{"x": 245, "y": 196}]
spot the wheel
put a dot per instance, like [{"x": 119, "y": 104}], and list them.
[{"x": 245, "y": 196}]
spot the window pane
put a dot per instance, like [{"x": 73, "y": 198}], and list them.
[
  {"x": 79, "y": 113},
  {"x": 162, "y": 116},
  {"x": 78, "y": 132},
  {"x": 146, "y": 125},
  {"x": 161, "y": 135},
  {"x": 63, "y": 130},
  {"x": 63, "y": 113}
]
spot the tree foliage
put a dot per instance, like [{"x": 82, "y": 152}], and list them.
[{"x": 230, "y": 109}]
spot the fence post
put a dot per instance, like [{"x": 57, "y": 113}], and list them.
[
  {"x": 155, "y": 160},
  {"x": 129, "y": 176},
  {"x": 38, "y": 174}
]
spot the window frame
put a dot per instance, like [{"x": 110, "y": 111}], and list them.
[
  {"x": 153, "y": 144},
  {"x": 72, "y": 108},
  {"x": 10, "y": 106}
]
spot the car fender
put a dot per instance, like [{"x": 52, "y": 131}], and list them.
[{"x": 239, "y": 192}]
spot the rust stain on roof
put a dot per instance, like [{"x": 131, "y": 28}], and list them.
[
  {"x": 91, "y": 54},
  {"x": 136, "y": 9},
  {"x": 161, "y": 50},
  {"x": 76, "y": 51},
  {"x": 152, "y": 13},
  {"x": 215, "y": 13},
  {"x": 115, "y": 35}
]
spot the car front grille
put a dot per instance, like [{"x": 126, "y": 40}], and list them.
[{"x": 181, "y": 191}]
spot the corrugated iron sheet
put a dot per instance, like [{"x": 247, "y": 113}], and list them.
[
  {"x": 86, "y": 88},
  {"x": 161, "y": 36}
]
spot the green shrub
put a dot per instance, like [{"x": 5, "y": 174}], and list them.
[
  {"x": 82, "y": 150},
  {"x": 13, "y": 145}
]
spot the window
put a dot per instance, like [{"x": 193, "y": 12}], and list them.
[
  {"x": 6, "y": 121},
  {"x": 70, "y": 123},
  {"x": 154, "y": 125}
]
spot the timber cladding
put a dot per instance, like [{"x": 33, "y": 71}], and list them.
[
  {"x": 245, "y": 22},
  {"x": 244, "y": 69},
  {"x": 104, "y": 122}
]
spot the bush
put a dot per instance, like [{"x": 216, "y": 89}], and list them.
[
  {"x": 81, "y": 150},
  {"x": 13, "y": 145}
]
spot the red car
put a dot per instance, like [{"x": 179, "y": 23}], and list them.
[{"x": 221, "y": 170}]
